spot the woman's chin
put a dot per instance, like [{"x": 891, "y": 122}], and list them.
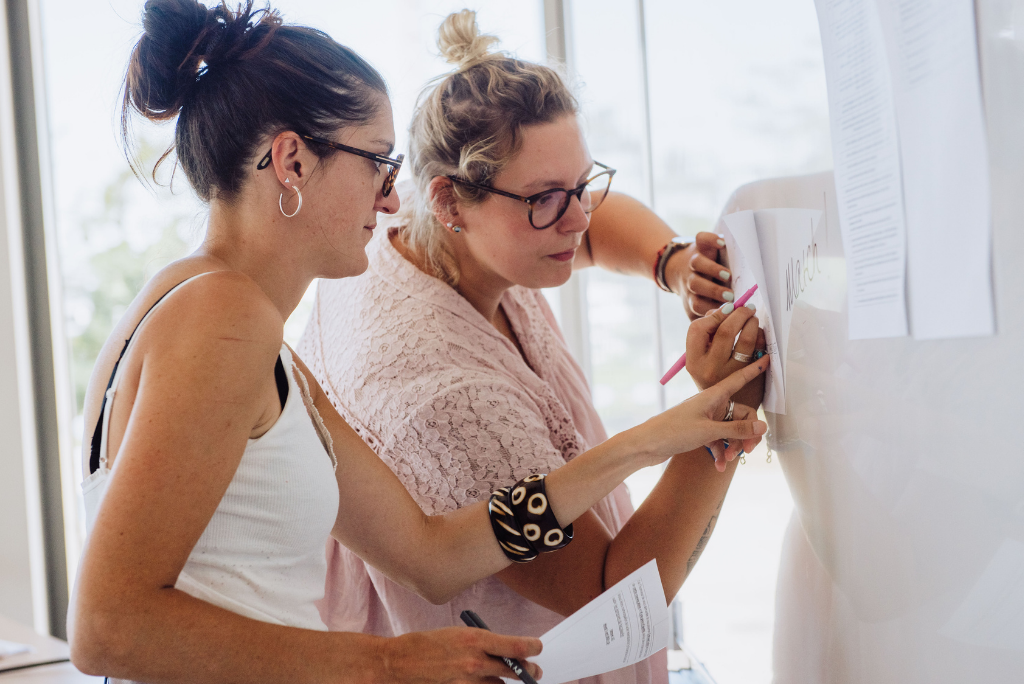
[
  {"x": 549, "y": 277},
  {"x": 350, "y": 268}
]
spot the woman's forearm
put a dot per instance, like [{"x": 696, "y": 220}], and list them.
[
  {"x": 625, "y": 236},
  {"x": 673, "y": 526},
  {"x": 169, "y": 636},
  {"x": 461, "y": 547},
  {"x": 674, "y": 522}
]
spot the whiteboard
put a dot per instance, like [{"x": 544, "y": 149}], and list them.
[{"x": 904, "y": 561}]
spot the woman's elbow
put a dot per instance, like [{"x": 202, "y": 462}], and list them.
[
  {"x": 436, "y": 592},
  {"x": 97, "y": 643}
]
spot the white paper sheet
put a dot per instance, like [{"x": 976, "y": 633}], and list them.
[
  {"x": 10, "y": 648},
  {"x": 933, "y": 56},
  {"x": 622, "y": 626},
  {"x": 867, "y": 166},
  {"x": 743, "y": 257},
  {"x": 787, "y": 239}
]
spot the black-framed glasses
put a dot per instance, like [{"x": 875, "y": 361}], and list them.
[
  {"x": 389, "y": 180},
  {"x": 549, "y": 206}
]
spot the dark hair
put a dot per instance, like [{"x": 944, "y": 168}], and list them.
[{"x": 233, "y": 77}]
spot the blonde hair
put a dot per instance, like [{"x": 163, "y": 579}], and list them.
[{"x": 469, "y": 123}]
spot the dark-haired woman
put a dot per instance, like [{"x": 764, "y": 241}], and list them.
[
  {"x": 447, "y": 360},
  {"x": 218, "y": 470}
]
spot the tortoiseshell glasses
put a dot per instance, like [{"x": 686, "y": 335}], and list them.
[{"x": 547, "y": 207}]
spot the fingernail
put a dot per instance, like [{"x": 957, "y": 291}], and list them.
[
  {"x": 724, "y": 275},
  {"x": 721, "y": 242},
  {"x": 751, "y": 306},
  {"x": 727, "y": 307},
  {"x": 728, "y": 296}
]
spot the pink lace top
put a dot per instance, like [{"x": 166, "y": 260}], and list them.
[{"x": 454, "y": 410}]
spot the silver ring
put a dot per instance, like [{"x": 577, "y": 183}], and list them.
[
  {"x": 741, "y": 357},
  {"x": 728, "y": 411}
]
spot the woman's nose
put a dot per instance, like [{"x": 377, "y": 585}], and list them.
[
  {"x": 574, "y": 220},
  {"x": 389, "y": 204}
]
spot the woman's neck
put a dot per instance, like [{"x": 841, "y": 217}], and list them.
[
  {"x": 482, "y": 290},
  {"x": 243, "y": 243}
]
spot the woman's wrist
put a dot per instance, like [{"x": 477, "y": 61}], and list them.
[{"x": 676, "y": 270}]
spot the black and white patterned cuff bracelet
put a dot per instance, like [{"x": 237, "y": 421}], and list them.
[{"x": 523, "y": 522}]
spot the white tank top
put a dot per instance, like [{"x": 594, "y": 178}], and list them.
[{"x": 262, "y": 553}]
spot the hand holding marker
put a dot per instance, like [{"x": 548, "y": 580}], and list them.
[
  {"x": 678, "y": 365},
  {"x": 473, "y": 620}
]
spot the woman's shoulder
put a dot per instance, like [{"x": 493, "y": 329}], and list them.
[
  {"x": 212, "y": 303},
  {"x": 215, "y": 300}
]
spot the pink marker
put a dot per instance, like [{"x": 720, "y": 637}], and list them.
[{"x": 678, "y": 365}]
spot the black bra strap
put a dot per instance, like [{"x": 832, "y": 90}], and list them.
[{"x": 280, "y": 377}]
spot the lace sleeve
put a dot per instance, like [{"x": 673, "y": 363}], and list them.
[{"x": 457, "y": 446}]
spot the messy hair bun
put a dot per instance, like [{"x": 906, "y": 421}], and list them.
[
  {"x": 461, "y": 42},
  {"x": 469, "y": 124},
  {"x": 232, "y": 77},
  {"x": 182, "y": 39}
]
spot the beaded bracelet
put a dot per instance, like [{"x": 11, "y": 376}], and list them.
[
  {"x": 522, "y": 520},
  {"x": 664, "y": 254}
]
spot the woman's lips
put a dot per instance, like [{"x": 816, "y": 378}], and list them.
[{"x": 564, "y": 256}]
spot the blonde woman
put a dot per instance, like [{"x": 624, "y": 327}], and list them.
[{"x": 446, "y": 360}]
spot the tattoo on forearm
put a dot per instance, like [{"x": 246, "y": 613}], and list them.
[{"x": 708, "y": 529}]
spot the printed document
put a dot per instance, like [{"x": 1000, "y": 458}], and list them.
[
  {"x": 934, "y": 61},
  {"x": 622, "y": 626},
  {"x": 866, "y": 153},
  {"x": 911, "y": 166}
]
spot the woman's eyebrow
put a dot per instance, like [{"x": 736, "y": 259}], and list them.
[
  {"x": 558, "y": 183},
  {"x": 387, "y": 143}
]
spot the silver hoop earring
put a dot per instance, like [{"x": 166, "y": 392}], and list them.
[
  {"x": 280, "y": 201},
  {"x": 457, "y": 229}
]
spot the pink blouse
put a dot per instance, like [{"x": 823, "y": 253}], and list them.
[{"x": 453, "y": 409}]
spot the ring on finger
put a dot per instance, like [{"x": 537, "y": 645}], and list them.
[
  {"x": 728, "y": 412},
  {"x": 759, "y": 354},
  {"x": 741, "y": 357}
]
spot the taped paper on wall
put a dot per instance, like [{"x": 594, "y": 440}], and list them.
[
  {"x": 869, "y": 182},
  {"x": 777, "y": 249}
]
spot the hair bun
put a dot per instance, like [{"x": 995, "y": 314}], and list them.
[
  {"x": 181, "y": 39},
  {"x": 460, "y": 40}
]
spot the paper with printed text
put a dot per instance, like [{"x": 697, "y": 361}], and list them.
[{"x": 622, "y": 626}]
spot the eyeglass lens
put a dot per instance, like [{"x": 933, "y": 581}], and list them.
[{"x": 550, "y": 207}]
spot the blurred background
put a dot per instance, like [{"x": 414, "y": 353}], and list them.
[{"x": 687, "y": 99}]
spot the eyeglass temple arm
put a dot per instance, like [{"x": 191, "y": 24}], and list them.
[{"x": 488, "y": 188}]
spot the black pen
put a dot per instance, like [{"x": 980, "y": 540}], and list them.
[{"x": 473, "y": 620}]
